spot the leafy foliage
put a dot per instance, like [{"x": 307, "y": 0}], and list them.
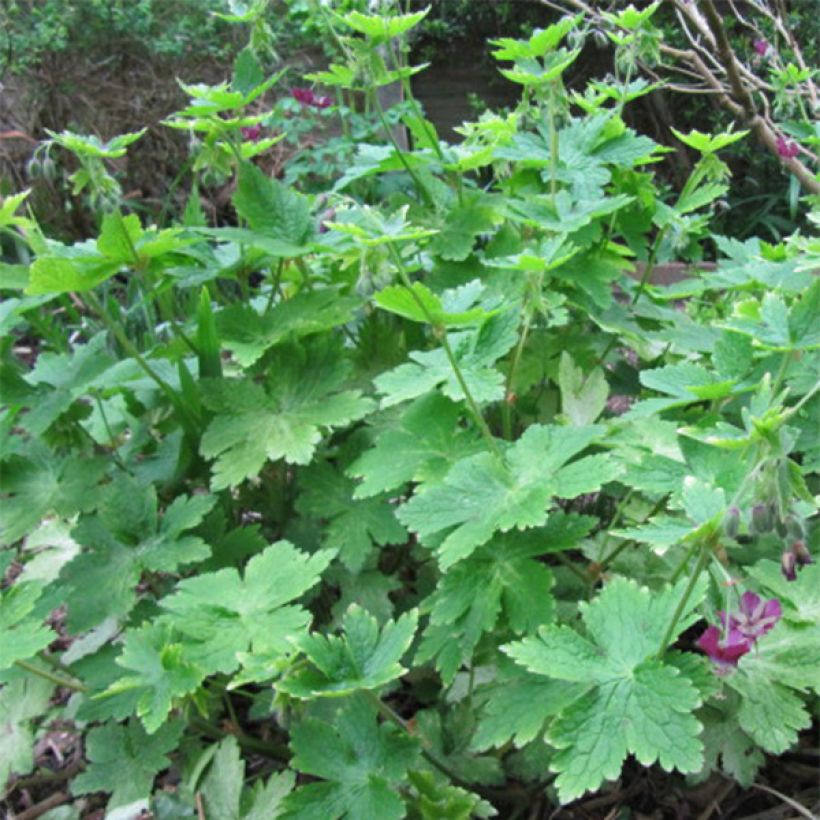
[{"x": 401, "y": 499}]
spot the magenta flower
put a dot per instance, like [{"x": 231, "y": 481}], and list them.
[
  {"x": 754, "y": 618},
  {"x": 761, "y": 47},
  {"x": 307, "y": 97},
  {"x": 251, "y": 132},
  {"x": 723, "y": 650},
  {"x": 787, "y": 148},
  {"x": 302, "y": 95}
]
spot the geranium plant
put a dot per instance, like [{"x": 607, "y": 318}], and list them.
[{"x": 416, "y": 499}]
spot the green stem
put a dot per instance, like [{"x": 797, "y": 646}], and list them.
[
  {"x": 274, "y": 288},
  {"x": 650, "y": 264},
  {"x": 423, "y": 192},
  {"x": 781, "y": 373},
  {"x": 553, "y": 144},
  {"x": 471, "y": 402},
  {"x": 605, "y": 562},
  {"x": 572, "y": 568},
  {"x": 274, "y": 751},
  {"x": 790, "y": 411},
  {"x": 53, "y": 677},
  {"x": 397, "y": 720},
  {"x": 132, "y": 351},
  {"x": 705, "y": 551},
  {"x": 506, "y": 408}
]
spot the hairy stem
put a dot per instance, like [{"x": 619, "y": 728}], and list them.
[
  {"x": 448, "y": 350},
  {"x": 684, "y": 599}
]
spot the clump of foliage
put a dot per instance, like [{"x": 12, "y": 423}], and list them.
[{"x": 407, "y": 500}]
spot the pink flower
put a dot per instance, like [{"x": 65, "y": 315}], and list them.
[
  {"x": 307, "y": 97},
  {"x": 251, "y": 132},
  {"x": 761, "y": 47},
  {"x": 302, "y": 95},
  {"x": 787, "y": 148},
  {"x": 723, "y": 651},
  {"x": 754, "y": 618}
]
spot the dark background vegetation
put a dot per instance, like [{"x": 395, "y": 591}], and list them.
[{"x": 107, "y": 67}]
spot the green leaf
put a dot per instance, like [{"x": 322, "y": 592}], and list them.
[
  {"x": 281, "y": 418},
  {"x": 724, "y": 740},
  {"x": 353, "y": 526},
  {"x": 583, "y": 395},
  {"x": 160, "y": 673},
  {"x": 436, "y": 799},
  {"x": 481, "y": 495},
  {"x": 275, "y": 211},
  {"x": 248, "y": 335},
  {"x": 650, "y": 702},
  {"x": 462, "y": 224},
  {"x": 427, "y": 442},
  {"x": 23, "y": 633},
  {"x": 267, "y": 801},
  {"x": 365, "y": 657},
  {"x": 23, "y": 698},
  {"x": 119, "y": 236},
  {"x": 221, "y": 788},
  {"x": 42, "y": 483},
  {"x": 359, "y": 761},
  {"x": 124, "y": 760},
  {"x": 800, "y": 598},
  {"x": 502, "y": 577},
  {"x": 517, "y": 706},
  {"x": 231, "y": 620},
  {"x": 124, "y": 539},
  {"x": 475, "y": 351},
  {"x": 420, "y": 304},
  {"x": 8, "y": 206},
  {"x": 247, "y": 72},
  {"x": 783, "y": 660},
  {"x": 59, "y": 274},
  {"x": 708, "y": 143},
  {"x": 379, "y": 28}
]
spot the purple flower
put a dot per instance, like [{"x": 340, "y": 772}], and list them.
[
  {"x": 754, "y": 618},
  {"x": 307, "y": 97},
  {"x": 251, "y": 132},
  {"x": 302, "y": 95},
  {"x": 761, "y": 47},
  {"x": 787, "y": 148},
  {"x": 723, "y": 651}
]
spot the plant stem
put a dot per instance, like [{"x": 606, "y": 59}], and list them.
[
  {"x": 553, "y": 144},
  {"x": 423, "y": 192},
  {"x": 506, "y": 408},
  {"x": 132, "y": 351},
  {"x": 650, "y": 265},
  {"x": 790, "y": 411},
  {"x": 471, "y": 402},
  {"x": 432, "y": 758},
  {"x": 693, "y": 579},
  {"x": 53, "y": 677}
]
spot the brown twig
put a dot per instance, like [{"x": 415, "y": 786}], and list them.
[{"x": 39, "y": 809}]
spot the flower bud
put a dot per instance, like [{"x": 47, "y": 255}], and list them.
[
  {"x": 761, "y": 518},
  {"x": 731, "y": 522},
  {"x": 788, "y": 565},
  {"x": 801, "y": 553},
  {"x": 795, "y": 528}
]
